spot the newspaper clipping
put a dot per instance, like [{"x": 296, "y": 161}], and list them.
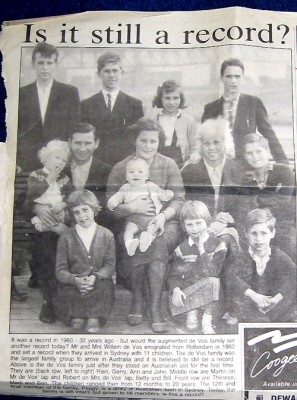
[{"x": 148, "y": 206}]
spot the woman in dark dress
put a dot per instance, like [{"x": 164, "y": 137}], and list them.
[{"x": 149, "y": 269}]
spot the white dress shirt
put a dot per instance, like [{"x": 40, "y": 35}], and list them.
[
  {"x": 215, "y": 175},
  {"x": 43, "y": 97},
  {"x": 168, "y": 124},
  {"x": 80, "y": 173},
  {"x": 113, "y": 97}
]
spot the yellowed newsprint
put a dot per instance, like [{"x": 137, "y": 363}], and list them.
[{"x": 147, "y": 206}]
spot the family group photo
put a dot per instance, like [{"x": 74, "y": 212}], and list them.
[{"x": 155, "y": 190}]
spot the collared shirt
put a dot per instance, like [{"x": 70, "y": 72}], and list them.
[
  {"x": 168, "y": 123},
  {"x": 192, "y": 242},
  {"x": 230, "y": 113},
  {"x": 113, "y": 97},
  {"x": 252, "y": 176},
  {"x": 215, "y": 175},
  {"x": 43, "y": 97},
  {"x": 261, "y": 262},
  {"x": 86, "y": 234},
  {"x": 80, "y": 173}
]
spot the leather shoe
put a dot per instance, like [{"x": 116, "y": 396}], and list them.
[{"x": 46, "y": 314}]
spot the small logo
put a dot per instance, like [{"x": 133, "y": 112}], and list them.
[{"x": 259, "y": 397}]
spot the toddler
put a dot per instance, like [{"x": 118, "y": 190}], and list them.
[
  {"x": 193, "y": 279},
  {"x": 48, "y": 187},
  {"x": 137, "y": 185},
  {"x": 84, "y": 268}
]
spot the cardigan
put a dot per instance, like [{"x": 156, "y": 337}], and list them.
[
  {"x": 279, "y": 276},
  {"x": 74, "y": 260}
]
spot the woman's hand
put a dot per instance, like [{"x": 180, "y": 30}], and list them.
[
  {"x": 157, "y": 224},
  {"x": 142, "y": 205},
  {"x": 177, "y": 297}
]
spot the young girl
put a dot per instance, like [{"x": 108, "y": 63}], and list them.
[
  {"x": 181, "y": 142},
  {"x": 84, "y": 268},
  {"x": 193, "y": 279},
  {"x": 137, "y": 174},
  {"x": 48, "y": 187}
]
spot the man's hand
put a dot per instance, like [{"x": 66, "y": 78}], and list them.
[{"x": 45, "y": 215}]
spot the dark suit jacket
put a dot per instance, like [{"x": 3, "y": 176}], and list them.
[
  {"x": 111, "y": 126},
  {"x": 63, "y": 109},
  {"x": 251, "y": 115},
  {"x": 198, "y": 185},
  {"x": 96, "y": 183}
]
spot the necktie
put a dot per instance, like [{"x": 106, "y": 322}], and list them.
[
  {"x": 109, "y": 101},
  {"x": 230, "y": 113}
]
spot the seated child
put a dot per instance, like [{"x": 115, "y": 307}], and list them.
[
  {"x": 47, "y": 187},
  {"x": 193, "y": 278},
  {"x": 263, "y": 278},
  {"x": 266, "y": 184},
  {"x": 137, "y": 175},
  {"x": 84, "y": 268}
]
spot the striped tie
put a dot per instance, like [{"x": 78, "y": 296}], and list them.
[{"x": 109, "y": 101}]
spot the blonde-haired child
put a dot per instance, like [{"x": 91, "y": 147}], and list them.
[
  {"x": 84, "y": 268},
  {"x": 193, "y": 279},
  {"x": 48, "y": 187}
]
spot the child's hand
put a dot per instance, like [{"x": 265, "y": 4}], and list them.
[
  {"x": 261, "y": 300},
  {"x": 53, "y": 175},
  {"x": 83, "y": 285},
  {"x": 168, "y": 194},
  {"x": 57, "y": 208},
  {"x": 177, "y": 297}
]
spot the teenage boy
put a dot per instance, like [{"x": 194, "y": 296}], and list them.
[{"x": 111, "y": 111}]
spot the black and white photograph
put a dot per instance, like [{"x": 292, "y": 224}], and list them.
[{"x": 154, "y": 190}]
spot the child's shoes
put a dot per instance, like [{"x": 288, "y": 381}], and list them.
[
  {"x": 93, "y": 325},
  {"x": 229, "y": 319},
  {"x": 192, "y": 320},
  {"x": 207, "y": 327},
  {"x": 131, "y": 246},
  {"x": 145, "y": 241},
  {"x": 77, "y": 323}
]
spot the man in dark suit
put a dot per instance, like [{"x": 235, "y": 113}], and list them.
[
  {"x": 245, "y": 113},
  {"x": 111, "y": 111},
  {"x": 47, "y": 108}
]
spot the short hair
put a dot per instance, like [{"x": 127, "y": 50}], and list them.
[
  {"x": 194, "y": 209},
  {"x": 81, "y": 127},
  {"x": 231, "y": 62},
  {"x": 106, "y": 58},
  {"x": 144, "y": 124},
  {"x": 51, "y": 147},
  {"x": 46, "y": 50},
  {"x": 260, "y": 216},
  {"x": 83, "y": 197},
  {"x": 167, "y": 87},
  {"x": 256, "y": 138},
  {"x": 136, "y": 160},
  {"x": 218, "y": 127}
]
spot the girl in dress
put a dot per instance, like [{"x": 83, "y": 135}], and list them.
[
  {"x": 84, "y": 268},
  {"x": 194, "y": 277}
]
